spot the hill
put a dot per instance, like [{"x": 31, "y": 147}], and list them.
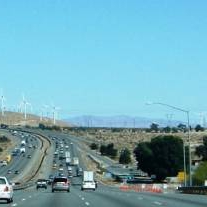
[{"x": 15, "y": 118}]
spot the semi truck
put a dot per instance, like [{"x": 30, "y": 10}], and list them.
[
  {"x": 88, "y": 182},
  {"x": 68, "y": 161}
]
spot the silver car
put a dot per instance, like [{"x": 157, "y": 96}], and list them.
[{"x": 60, "y": 184}]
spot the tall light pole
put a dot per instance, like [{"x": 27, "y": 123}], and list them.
[{"x": 188, "y": 123}]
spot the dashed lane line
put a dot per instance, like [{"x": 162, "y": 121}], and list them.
[
  {"x": 15, "y": 204},
  {"x": 87, "y": 203}
]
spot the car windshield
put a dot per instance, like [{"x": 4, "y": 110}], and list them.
[
  {"x": 2, "y": 181},
  {"x": 60, "y": 180}
]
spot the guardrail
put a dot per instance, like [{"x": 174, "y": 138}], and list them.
[
  {"x": 28, "y": 182},
  {"x": 193, "y": 190}
]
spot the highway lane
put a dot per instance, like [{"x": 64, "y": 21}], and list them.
[
  {"x": 103, "y": 196},
  {"x": 21, "y": 162}
]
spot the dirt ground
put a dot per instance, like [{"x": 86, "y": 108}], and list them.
[
  {"x": 7, "y": 146},
  {"x": 129, "y": 139}
]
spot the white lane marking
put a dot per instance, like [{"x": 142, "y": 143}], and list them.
[
  {"x": 87, "y": 203},
  {"x": 82, "y": 199},
  {"x": 140, "y": 198},
  {"x": 15, "y": 204},
  {"x": 23, "y": 199},
  {"x": 157, "y": 203},
  {"x": 30, "y": 196}
]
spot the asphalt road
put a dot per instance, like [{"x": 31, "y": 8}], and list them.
[
  {"x": 21, "y": 161},
  {"x": 102, "y": 197}
]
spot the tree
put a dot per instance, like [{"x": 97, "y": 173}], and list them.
[
  {"x": 108, "y": 150},
  {"x": 41, "y": 126},
  {"x": 163, "y": 156},
  {"x": 199, "y": 128},
  {"x": 94, "y": 146},
  {"x": 154, "y": 127},
  {"x": 201, "y": 150},
  {"x": 167, "y": 129},
  {"x": 103, "y": 150},
  {"x": 125, "y": 156},
  {"x": 200, "y": 174},
  {"x": 182, "y": 127}
]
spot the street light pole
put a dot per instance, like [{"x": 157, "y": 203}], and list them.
[{"x": 184, "y": 157}]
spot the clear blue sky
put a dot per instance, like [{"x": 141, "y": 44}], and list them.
[{"x": 105, "y": 57}]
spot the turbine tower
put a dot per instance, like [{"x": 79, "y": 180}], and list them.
[
  {"x": 24, "y": 104},
  {"x": 2, "y": 103},
  {"x": 55, "y": 113}
]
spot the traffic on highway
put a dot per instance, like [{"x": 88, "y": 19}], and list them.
[{"x": 64, "y": 179}]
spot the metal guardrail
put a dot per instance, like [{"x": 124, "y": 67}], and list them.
[
  {"x": 23, "y": 186},
  {"x": 193, "y": 190}
]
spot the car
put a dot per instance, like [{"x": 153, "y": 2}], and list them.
[
  {"x": 54, "y": 166},
  {"x": 4, "y": 163},
  {"x": 6, "y": 190},
  {"x": 29, "y": 156},
  {"x": 9, "y": 171},
  {"x": 41, "y": 183},
  {"x": 60, "y": 184},
  {"x": 16, "y": 172},
  {"x": 50, "y": 179},
  {"x": 79, "y": 171}
]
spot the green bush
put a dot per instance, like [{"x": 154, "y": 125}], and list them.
[
  {"x": 4, "y": 139},
  {"x": 94, "y": 146},
  {"x": 200, "y": 174}
]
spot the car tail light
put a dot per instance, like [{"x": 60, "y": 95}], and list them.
[{"x": 6, "y": 189}]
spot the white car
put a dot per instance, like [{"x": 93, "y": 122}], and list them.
[{"x": 6, "y": 190}]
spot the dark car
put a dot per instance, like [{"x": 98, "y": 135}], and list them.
[
  {"x": 60, "y": 184},
  {"x": 41, "y": 183},
  {"x": 79, "y": 171},
  {"x": 16, "y": 172},
  {"x": 50, "y": 179}
]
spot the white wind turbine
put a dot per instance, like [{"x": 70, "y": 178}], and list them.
[
  {"x": 24, "y": 104},
  {"x": 3, "y": 99},
  {"x": 46, "y": 107},
  {"x": 55, "y": 113}
]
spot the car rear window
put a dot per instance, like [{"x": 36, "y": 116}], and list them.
[
  {"x": 2, "y": 181},
  {"x": 60, "y": 180}
]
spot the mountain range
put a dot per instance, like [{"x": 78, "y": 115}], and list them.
[{"x": 121, "y": 121}]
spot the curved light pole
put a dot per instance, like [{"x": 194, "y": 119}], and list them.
[{"x": 188, "y": 123}]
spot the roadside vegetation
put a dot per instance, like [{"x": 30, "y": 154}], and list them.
[
  {"x": 200, "y": 174},
  {"x": 162, "y": 157}
]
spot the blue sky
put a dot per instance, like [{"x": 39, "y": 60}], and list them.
[{"x": 105, "y": 57}]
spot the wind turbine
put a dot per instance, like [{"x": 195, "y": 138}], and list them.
[
  {"x": 46, "y": 107},
  {"x": 55, "y": 113},
  {"x": 2, "y": 103},
  {"x": 24, "y": 103}
]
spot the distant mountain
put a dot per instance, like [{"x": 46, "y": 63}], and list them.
[{"x": 118, "y": 121}]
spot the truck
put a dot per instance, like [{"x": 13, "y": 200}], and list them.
[
  {"x": 88, "y": 182},
  {"x": 67, "y": 154},
  {"x": 23, "y": 143},
  {"x": 8, "y": 158},
  {"x": 68, "y": 161},
  {"x": 22, "y": 150},
  {"x": 75, "y": 161}
]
